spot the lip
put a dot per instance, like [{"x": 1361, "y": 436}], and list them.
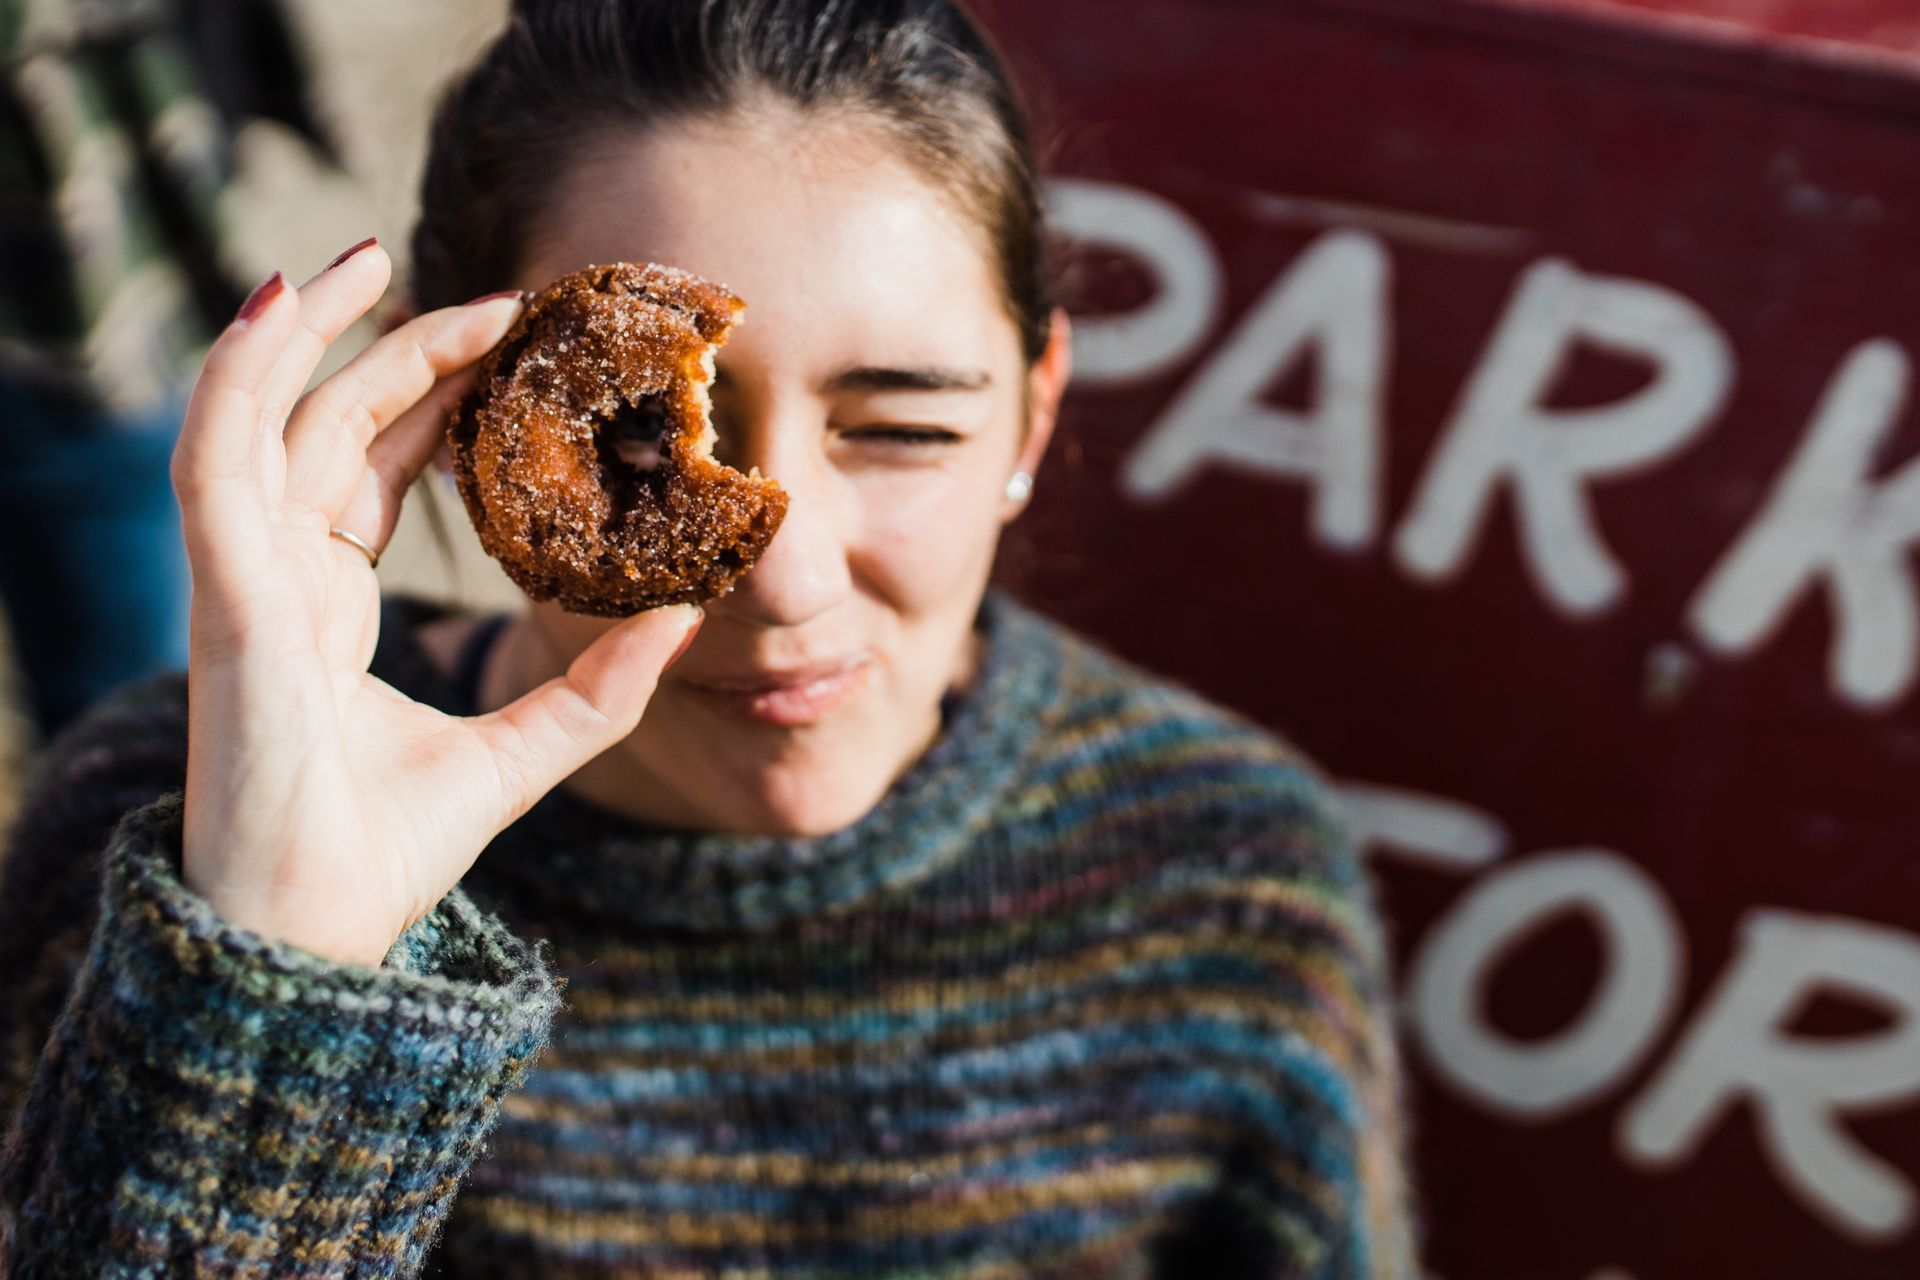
[{"x": 795, "y": 697}]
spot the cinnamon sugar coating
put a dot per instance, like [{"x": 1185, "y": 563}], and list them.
[{"x": 584, "y": 451}]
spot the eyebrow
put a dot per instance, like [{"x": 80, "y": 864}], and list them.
[{"x": 869, "y": 378}]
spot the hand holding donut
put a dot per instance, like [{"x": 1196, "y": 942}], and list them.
[{"x": 323, "y": 807}]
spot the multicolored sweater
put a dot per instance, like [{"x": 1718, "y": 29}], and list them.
[{"x": 1094, "y": 991}]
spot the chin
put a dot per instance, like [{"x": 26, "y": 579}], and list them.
[{"x": 799, "y": 809}]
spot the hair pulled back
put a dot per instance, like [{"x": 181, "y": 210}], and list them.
[{"x": 566, "y": 72}]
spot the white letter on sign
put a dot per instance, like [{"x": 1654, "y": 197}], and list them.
[
  {"x": 1825, "y": 521},
  {"x": 1638, "y": 985},
  {"x": 1501, "y": 431},
  {"x": 1334, "y": 295},
  {"x": 1739, "y": 1046},
  {"x": 1152, "y": 339}
]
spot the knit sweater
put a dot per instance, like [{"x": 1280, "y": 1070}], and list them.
[{"x": 1093, "y": 991}]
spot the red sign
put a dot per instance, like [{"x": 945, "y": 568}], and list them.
[{"x": 1514, "y": 408}]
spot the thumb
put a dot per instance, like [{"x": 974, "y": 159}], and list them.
[{"x": 547, "y": 733}]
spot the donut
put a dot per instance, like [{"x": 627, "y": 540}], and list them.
[{"x": 584, "y": 451}]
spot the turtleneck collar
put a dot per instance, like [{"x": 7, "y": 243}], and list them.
[{"x": 575, "y": 857}]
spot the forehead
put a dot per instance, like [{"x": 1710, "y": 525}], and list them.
[{"x": 840, "y": 248}]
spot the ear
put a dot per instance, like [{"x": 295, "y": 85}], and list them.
[{"x": 1046, "y": 385}]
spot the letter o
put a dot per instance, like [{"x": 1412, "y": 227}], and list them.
[{"x": 1637, "y": 991}]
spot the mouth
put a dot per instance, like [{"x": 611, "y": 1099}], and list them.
[{"x": 788, "y": 699}]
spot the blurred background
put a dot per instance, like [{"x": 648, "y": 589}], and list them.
[
  {"x": 1506, "y": 399},
  {"x": 158, "y": 158}
]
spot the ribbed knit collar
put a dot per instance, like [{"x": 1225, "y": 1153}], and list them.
[{"x": 575, "y": 857}]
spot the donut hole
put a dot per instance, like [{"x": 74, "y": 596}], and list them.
[{"x": 634, "y": 439}]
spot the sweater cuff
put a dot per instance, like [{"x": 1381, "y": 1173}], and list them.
[{"x": 213, "y": 1096}]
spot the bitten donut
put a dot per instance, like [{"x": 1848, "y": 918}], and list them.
[{"x": 585, "y": 453}]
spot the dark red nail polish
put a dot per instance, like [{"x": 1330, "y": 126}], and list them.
[
  {"x": 368, "y": 243},
  {"x": 490, "y": 297},
  {"x": 692, "y": 631},
  {"x": 257, "y": 300}
]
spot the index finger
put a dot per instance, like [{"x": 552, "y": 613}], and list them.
[
  {"x": 334, "y": 428},
  {"x": 397, "y": 456}
]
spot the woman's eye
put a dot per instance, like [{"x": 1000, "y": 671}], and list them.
[{"x": 906, "y": 435}]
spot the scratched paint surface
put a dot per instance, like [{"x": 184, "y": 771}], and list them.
[{"x": 1516, "y": 412}]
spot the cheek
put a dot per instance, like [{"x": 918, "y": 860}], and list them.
[{"x": 925, "y": 533}]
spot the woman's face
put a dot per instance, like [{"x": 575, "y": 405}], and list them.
[{"x": 878, "y": 377}]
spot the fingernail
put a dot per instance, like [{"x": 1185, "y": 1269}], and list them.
[
  {"x": 494, "y": 297},
  {"x": 257, "y": 300},
  {"x": 700, "y": 617},
  {"x": 368, "y": 243}
]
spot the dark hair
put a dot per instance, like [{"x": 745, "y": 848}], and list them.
[{"x": 565, "y": 72}]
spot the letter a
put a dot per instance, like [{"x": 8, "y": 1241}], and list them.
[{"x": 1334, "y": 295}]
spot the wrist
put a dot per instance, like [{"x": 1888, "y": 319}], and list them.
[{"x": 314, "y": 928}]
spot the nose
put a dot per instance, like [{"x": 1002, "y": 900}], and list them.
[{"x": 803, "y": 572}]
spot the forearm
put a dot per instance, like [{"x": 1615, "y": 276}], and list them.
[{"x": 213, "y": 1103}]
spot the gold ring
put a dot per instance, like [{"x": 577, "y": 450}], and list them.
[{"x": 373, "y": 557}]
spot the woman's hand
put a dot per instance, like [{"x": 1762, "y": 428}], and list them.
[{"x": 323, "y": 807}]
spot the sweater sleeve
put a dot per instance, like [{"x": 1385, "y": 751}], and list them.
[
  {"x": 213, "y": 1103},
  {"x": 1341, "y": 1049},
  {"x": 1385, "y": 1210},
  {"x": 1298, "y": 1016}
]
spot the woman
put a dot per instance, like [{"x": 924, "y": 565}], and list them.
[{"x": 906, "y": 934}]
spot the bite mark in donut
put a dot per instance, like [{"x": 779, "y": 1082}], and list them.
[{"x": 584, "y": 453}]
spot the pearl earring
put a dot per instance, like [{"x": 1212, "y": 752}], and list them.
[{"x": 1019, "y": 486}]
